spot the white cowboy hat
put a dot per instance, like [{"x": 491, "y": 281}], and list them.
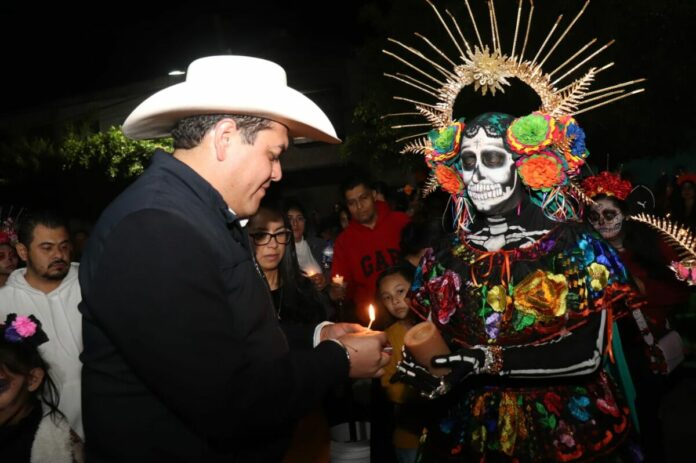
[{"x": 230, "y": 85}]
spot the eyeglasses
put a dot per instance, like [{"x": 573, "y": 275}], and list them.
[{"x": 261, "y": 238}]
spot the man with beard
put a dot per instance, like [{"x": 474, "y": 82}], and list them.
[{"x": 48, "y": 288}]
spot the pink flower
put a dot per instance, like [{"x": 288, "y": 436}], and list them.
[{"x": 24, "y": 326}]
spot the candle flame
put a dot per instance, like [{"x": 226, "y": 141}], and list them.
[{"x": 371, "y": 312}]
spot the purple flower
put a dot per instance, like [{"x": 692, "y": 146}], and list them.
[
  {"x": 493, "y": 325},
  {"x": 11, "y": 334}
]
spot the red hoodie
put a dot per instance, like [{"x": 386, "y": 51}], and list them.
[{"x": 361, "y": 254}]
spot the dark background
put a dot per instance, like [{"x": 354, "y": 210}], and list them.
[{"x": 61, "y": 51}]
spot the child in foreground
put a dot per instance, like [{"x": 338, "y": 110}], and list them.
[
  {"x": 32, "y": 429},
  {"x": 392, "y": 286}
]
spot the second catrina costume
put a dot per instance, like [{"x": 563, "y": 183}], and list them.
[{"x": 525, "y": 294}]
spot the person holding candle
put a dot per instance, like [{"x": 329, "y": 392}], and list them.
[
  {"x": 308, "y": 248},
  {"x": 294, "y": 296},
  {"x": 184, "y": 357},
  {"x": 523, "y": 293},
  {"x": 365, "y": 248}
]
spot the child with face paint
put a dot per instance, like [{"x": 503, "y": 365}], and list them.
[{"x": 32, "y": 429}]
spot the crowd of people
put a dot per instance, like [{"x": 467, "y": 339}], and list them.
[{"x": 209, "y": 321}]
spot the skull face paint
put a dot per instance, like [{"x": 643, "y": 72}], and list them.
[
  {"x": 606, "y": 218},
  {"x": 489, "y": 173}
]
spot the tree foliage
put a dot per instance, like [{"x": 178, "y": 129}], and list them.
[{"x": 109, "y": 152}]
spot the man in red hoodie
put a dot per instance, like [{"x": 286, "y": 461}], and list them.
[{"x": 369, "y": 245}]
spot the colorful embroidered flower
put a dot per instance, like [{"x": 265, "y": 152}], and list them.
[
  {"x": 552, "y": 402},
  {"x": 531, "y": 133},
  {"x": 493, "y": 325},
  {"x": 24, "y": 326},
  {"x": 542, "y": 294},
  {"x": 565, "y": 434},
  {"x": 444, "y": 295},
  {"x": 599, "y": 276},
  {"x": 541, "y": 171},
  {"x": 449, "y": 179},
  {"x": 577, "y": 406},
  {"x": 497, "y": 298},
  {"x": 445, "y": 143}
]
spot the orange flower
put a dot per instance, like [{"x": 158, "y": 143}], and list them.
[
  {"x": 541, "y": 171},
  {"x": 542, "y": 294},
  {"x": 449, "y": 179}
]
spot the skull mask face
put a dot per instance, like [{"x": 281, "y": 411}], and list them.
[
  {"x": 490, "y": 174},
  {"x": 606, "y": 218}
]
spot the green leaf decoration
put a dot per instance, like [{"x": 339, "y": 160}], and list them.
[
  {"x": 541, "y": 409},
  {"x": 521, "y": 321}
]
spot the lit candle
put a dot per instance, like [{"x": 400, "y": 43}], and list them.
[
  {"x": 337, "y": 280},
  {"x": 371, "y": 312},
  {"x": 425, "y": 342}
]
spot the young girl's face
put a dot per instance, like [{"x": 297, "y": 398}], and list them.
[
  {"x": 392, "y": 290},
  {"x": 16, "y": 391}
]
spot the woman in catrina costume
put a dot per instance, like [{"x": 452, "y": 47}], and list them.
[{"x": 524, "y": 293}]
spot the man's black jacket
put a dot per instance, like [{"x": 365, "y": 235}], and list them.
[{"x": 183, "y": 357}]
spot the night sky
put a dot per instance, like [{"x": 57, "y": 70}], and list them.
[{"x": 125, "y": 43}]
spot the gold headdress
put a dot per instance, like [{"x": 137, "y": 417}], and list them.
[
  {"x": 489, "y": 68},
  {"x": 681, "y": 238}
]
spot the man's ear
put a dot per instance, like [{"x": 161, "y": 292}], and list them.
[
  {"x": 374, "y": 195},
  {"x": 35, "y": 378},
  {"x": 22, "y": 251},
  {"x": 225, "y": 134}
]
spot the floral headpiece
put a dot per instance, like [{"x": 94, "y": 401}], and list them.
[
  {"x": 20, "y": 329},
  {"x": 8, "y": 229},
  {"x": 686, "y": 177},
  {"x": 607, "y": 183},
  {"x": 549, "y": 142},
  {"x": 8, "y": 232}
]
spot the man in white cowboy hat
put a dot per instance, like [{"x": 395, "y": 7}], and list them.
[{"x": 184, "y": 359}]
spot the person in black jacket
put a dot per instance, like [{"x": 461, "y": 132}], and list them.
[{"x": 184, "y": 358}]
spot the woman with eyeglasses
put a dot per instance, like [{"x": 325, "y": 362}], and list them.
[
  {"x": 294, "y": 297},
  {"x": 296, "y": 302}
]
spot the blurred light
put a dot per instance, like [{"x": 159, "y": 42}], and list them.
[{"x": 177, "y": 72}]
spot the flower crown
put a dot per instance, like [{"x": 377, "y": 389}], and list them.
[
  {"x": 8, "y": 232},
  {"x": 549, "y": 152},
  {"x": 607, "y": 183},
  {"x": 20, "y": 329},
  {"x": 686, "y": 177}
]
